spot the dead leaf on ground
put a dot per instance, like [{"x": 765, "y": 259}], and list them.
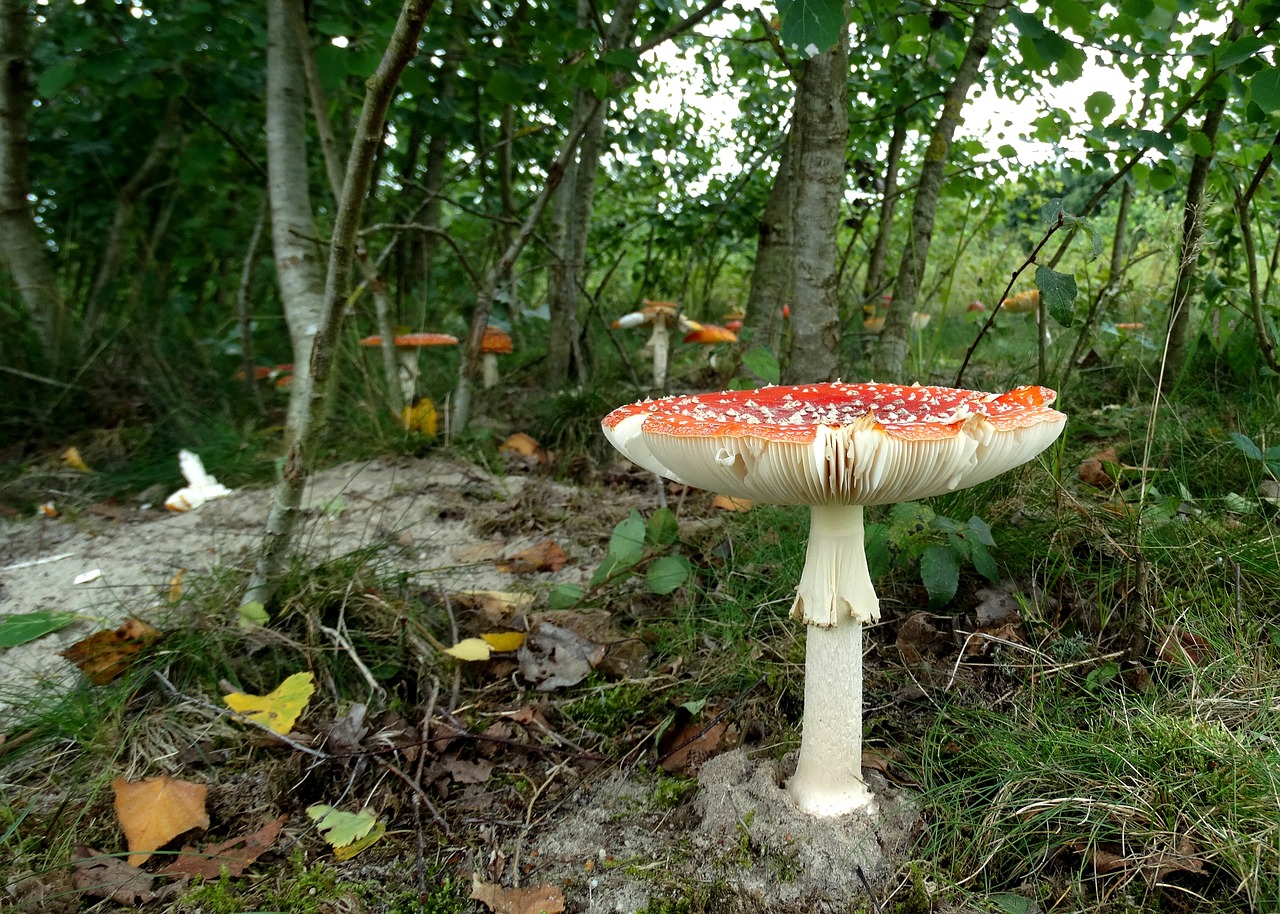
[
  {"x": 279, "y": 709},
  {"x": 105, "y": 655},
  {"x": 479, "y": 553},
  {"x": 497, "y": 607},
  {"x": 553, "y": 657},
  {"x": 1093, "y": 472},
  {"x": 694, "y": 744},
  {"x": 1154, "y": 865},
  {"x": 71, "y": 457},
  {"x": 731, "y": 503},
  {"x": 541, "y": 899},
  {"x": 1177, "y": 645},
  {"x": 995, "y": 604},
  {"x": 546, "y": 556},
  {"x": 101, "y": 876},
  {"x": 918, "y": 639},
  {"x": 236, "y": 855},
  {"x": 154, "y": 811},
  {"x": 175, "y": 585},
  {"x": 522, "y": 445}
]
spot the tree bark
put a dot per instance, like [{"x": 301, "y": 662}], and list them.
[
  {"x": 23, "y": 251},
  {"x": 1176, "y": 343},
  {"x": 771, "y": 277},
  {"x": 891, "y": 353},
  {"x": 306, "y": 405},
  {"x": 820, "y": 132},
  {"x": 244, "y": 307},
  {"x": 874, "y": 283}
]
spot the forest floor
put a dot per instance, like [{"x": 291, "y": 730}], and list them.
[{"x": 492, "y": 780}]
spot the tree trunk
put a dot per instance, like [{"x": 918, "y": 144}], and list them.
[
  {"x": 891, "y": 353},
  {"x": 1192, "y": 231},
  {"x": 820, "y": 132},
  {"x": 23, "y": 250},
  {"x": 771, "y": 276},
  {"x": 874, "y": 283},
  {"x": 285, "y": 84}
]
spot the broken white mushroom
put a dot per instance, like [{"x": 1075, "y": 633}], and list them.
[
  {"x": 835, "y": 447},
  {"x": 200, "y": 487}
]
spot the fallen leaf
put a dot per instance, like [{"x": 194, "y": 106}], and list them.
[
  {"x": 522, "y": 445},
  {"x": 236, "y": 855},
  {"x": 48, "y": 509},
  {"x": 105, "y": 655},
  {"x": 553, "y": 657},
  {"x": 996, "y": 604},
  {"x": 24, "y": 627},
  {"x": 279, "y": 709},
  {"x": 175, "y": 585},
  {"x": 546, "y": 556},
  {"x": 504, "y": 642},
  {"x": 1093, "y": 472},
  {"x": 154, "y": 811},
  {"x": 541, "y": 899},
  {"x": 478, "y": 553},
  {"x": 496, "y": 606},
  {"x": 103, "y": 876},
  {"x": 71, "y": 457},
  {"x": 465, "y": 772},
  {"x": 252, "y": 613},
  {"x": 918, "y": 639},
  {"x": 421, "y": 417},
  {"x": 470, "y": 649},
  {"x": 692, "y": 745},
  {"x": 348, "y": 833},
  {"x": 731, "y": 503},
  {"x": 1182, "y": 647}
]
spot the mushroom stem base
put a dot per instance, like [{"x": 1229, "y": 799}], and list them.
[{"x": 828, "y": 779}]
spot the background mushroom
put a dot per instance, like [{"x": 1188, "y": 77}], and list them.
[
  {"x": 495, "y": 342},
  {"x": 835, "y": 447},
  {"x": 407, "y": 346},
  {"x": 661, "y": 315}
]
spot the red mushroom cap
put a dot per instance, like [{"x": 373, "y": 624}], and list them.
[
  {"x": 413, "y": 340},
  {"x": 710, "y": 334},
  {"x": 496, "y": 340}
]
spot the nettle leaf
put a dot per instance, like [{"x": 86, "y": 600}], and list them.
[
  {"x": 1246, "y": 445},
  {"x": 762, "y": 363},
  {"x": 811, "y": 26},
  {"x": 627, "y": 542},
  {"x": 940, "y": 574},
  {"x": 983, "y": 563},
  {"x": 1050, "y": 212},
  {"x": 667, "y": 573},
  {"x": 662, "y": 529},
  {"x": 1058, "y": 292},
  {"x": 1264, "y": 89},
  {"x": 981, "y": 531}
]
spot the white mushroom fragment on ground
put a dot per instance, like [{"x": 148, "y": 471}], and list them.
[
  {"x": 835, "y": 447},
  {"x": 660, "y": 315}
]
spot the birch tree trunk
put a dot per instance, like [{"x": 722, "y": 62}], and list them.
[
  {"x": 874, "y": 283},
  {"x": 285, "y": 86},
  {"x": 891, "y": 354},
  {"x": 820, "y": 131},
  {"x": 771, "y": 276},
  {"x": 23, "y": 251}
]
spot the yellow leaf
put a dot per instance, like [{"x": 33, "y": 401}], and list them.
[
  {"x": 347, "y": 851},
  {"x": 278, "y": 710},
  {"x": 470, "y": 649},
  {"x": 175, "y": 585},
  {"x": 71, "y": 457},
  {"x": 504, "y": 641},
  {"x": 421, "y": 417}
]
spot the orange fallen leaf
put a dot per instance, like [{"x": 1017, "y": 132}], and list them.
[
  {"x": 1093, "y": 471},
  {"x": 546, "y": 556},
  {"x": 693, "y": 744},
  {"x": 540, "y": 899},
  {"x": 105, "y": 655},
  {"x": 522, "y": 445},
  {"x": 154, "y": 811},
  {"x": 175, "y": 585},
  {"x": 731, "y": 503},
  {"x": 71, "y": 457},
  {"x": 236, "y": 855}
]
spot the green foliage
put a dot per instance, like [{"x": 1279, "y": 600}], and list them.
[
  {"x": 637, "y": 547},
  {"x": 811, "y": 26},
  {"x": 916, "y": 537},
  {"x": 1270, "y": 459}
]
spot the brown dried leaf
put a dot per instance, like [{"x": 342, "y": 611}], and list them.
[
  {"x": 546, "y": 556},
  {"x": 497, "y": 607},
  {"x": 479, "y": 553},
  {"x": 1182, "y": 647},
  {"x": 101, "y": 876},
  {"x": 105, "y": 655},
  {"x": 154, "y": 811},
  {"x": 691, "y": 747},
  {"x": 541, "y": 899},
  {"x": 522, "y": 445},
  {"x": 1093, "y": 472},
  {"x": 464, "y": 772},
  {"x": 731, "y": 503},
  {"x": 237, "y": 855},
  {"x": 918, "y": 639},
  {"x": 553, "y": 657}
]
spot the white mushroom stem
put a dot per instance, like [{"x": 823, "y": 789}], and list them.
[
  {"x": 660, "y": 340},
  {"x": 490, "y": 365},
  {"x": 835, "y": 597},
  {"x": 409, "y": 371}
]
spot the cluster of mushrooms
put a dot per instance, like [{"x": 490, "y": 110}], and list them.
[{"x": 836, "y": 448}]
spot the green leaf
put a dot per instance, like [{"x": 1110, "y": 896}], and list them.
[
  {"x": 879, "y": 559},
  {"x": 627, "y": 542},
  {"x": 1099, "y": 105},
  {"x": 811, "y": 26},
  {"x": 362, "y": 62},
  {"x": 622, "y": 58},
  {"x": 563, "y": 596},
  {"x": 341, "y": 828},
  {"x": 1163, "y": 176},
  {"x": 1246, "y": 445},
  {"x": 1050, "y": 212},
  {"x": 667, "y": 573},
  {"x": 1058, "y": 292},
  {"x": 20, "y": 629},
  {"x": 1073, "y": 14},
  {"x": 662, "y": 529},
  {"x": 504, "y": 87},
  {"x": 1240, "y": 51},
  {"x": 1201, "y": 145},
  {"x": 1007, "y": 152},
  {"x": 983, "y": 563},
  {"x": 56, "y": 78},
  {"x": 252, "y": 614},
  {"x": 981, "y": 531},
  {"x": 940, "y": 574},
  {"x": 1010, "y": 903},
  {"x": 762, "y": 363},
  {"x": 1264, "y": 89},
  {"x": 611, "y": 568}
]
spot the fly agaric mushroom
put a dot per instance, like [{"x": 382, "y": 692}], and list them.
[
  {"x": 407, "y": 346},
  {"x": 661, "y": 315},
  {"x": 495, "y": 342},
  {"x": 835, "y": 447}
]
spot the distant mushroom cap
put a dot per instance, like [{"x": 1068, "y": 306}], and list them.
[
  {"x": 413, "y": 340},
  {"x": 710, "y": 334},
  {"x": 836, "y": 443},
  {"x": 496, "y": 340}
]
